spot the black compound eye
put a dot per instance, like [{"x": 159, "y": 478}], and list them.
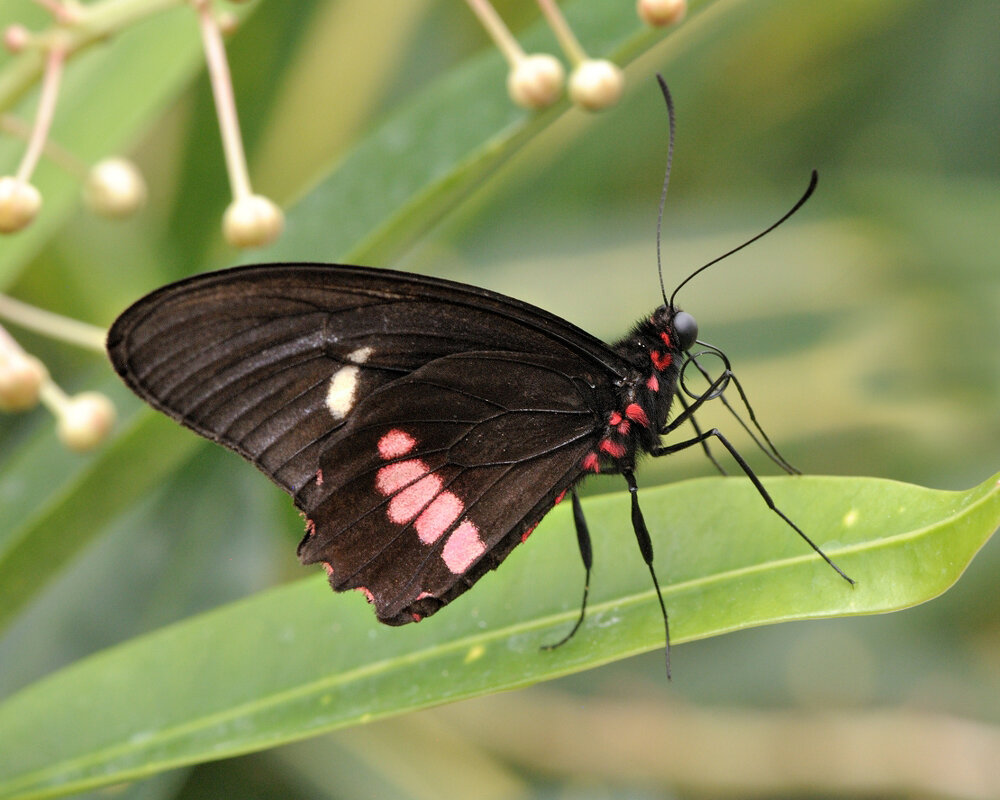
[{"x": 686, "y": 329}]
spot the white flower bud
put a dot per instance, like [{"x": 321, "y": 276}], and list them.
[
  {"x": 85, "y": 420},
  {"x": 16, "y": 38},
  {"x": 661, "y": 13},
  {"x": 21, "y": 378},
  {"x": 114, "y": 188},
  {"x": 252, "y": 221},
  {"x": 596, "y": 84},
  {"x": 536, "y": 81},
  {"x": 19, "y": 204}
]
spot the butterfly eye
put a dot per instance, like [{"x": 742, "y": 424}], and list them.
[{"x": 686, "y": 329}]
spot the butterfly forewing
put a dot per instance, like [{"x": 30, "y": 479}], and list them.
[{"x": 423, "y": 426}]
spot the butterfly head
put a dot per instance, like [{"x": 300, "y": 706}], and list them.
[{"x": 685, "y": 329}]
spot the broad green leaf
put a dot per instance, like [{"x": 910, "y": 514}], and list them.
[
  {"x": 48, "y": 518},
  {"x": 295, "y": 661}
]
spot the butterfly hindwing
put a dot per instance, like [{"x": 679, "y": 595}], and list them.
[{"x": 438, "y": 475}]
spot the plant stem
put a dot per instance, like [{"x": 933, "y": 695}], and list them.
[
  {"x": 53, "y": 325},
  {"x": 225, "y": 103}
]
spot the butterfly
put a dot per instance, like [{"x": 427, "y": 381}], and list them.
[{"x": 423, "y": 427}]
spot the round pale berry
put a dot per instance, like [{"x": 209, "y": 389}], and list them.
[
  {"x": 21, "y": 378},
  {"x": 661, "y": 13},
  {"x": 536, "y": 81},
  {"x": 596, "y": 84},
  {"x": 252, "y": 221},
  {"x": 19, "y": 204},
  {"x": 114, "y": 188},
  {"x": 16, "y": 38},
  {"x": 85, "y": 420}
]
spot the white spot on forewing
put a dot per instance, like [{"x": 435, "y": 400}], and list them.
[
  {"x": 360, "y": 356},
  {"x": 340, "y": 395}
]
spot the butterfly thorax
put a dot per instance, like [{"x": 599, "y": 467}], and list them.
[{"x": 643, "y": 397}]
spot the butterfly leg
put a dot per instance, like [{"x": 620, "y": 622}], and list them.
[
  {"x": 646, "y": 548},
  {"x": 674, "y": 448},
  {"x": 689, "y": 415},
  {"x": 587, "y": 555}
]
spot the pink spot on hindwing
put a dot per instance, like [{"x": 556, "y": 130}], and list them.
[
  {"x": 527, "y": 533},
  {"x": 462, "y": 548},
  {"x": 329, "y": 568},
  {"x": 437, "y": 517},
  {"x": 395, "y": 444},
  {"x": 368, "y": 595},
  {"x": 411, "y": 501},
  {"x": 393, "y": 477},
  {"x": 560, "y": 496},
  {"x": 319, "y": 477},
  {"x": 417, "y": 495}
]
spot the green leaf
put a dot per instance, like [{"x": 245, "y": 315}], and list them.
[
  {"x": 50, "y": 515},
  {"x": 295, "y": 661}
]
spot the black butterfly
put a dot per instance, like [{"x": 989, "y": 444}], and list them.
[{"x": 423, "y": 427}]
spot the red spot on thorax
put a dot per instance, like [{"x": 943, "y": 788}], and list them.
[
  {"x": 635, "y": 413},
  {"x": 615, "y": 418},
  {"x": 665, "y": 337},
  {"x": 613, "y": 449},
  {"x": 591, "y": 462},
  {"x": 623, "y": 427},
  {"x": 653, "y": 384},
  {"x": 661, "y": 360}
]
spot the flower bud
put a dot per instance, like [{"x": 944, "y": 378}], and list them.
[
  {"x": 21, "y": 378},
  {"x": 596, "y": 84},
  {"x": 536, "y": 81},
  {"x": 114, "y": 188},
  {"x": 85, "y": 420},
  {"x": 19, "y": 204},
  {"x": 252, "y": 221},
  {"x": 661, "y": 13},
  {"x": 16, "y": 38}
]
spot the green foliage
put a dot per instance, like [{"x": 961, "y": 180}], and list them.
[
  {"x": 286, "y": 663},
  {"x": 865, "y": 328}
]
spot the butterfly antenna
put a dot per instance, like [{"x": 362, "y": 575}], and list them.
[
  {"x": 811, "y": 188},
  {"x": 666, "y": 179}
]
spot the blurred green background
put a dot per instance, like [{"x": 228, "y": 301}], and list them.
[{"x": 865, "y": 332}]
